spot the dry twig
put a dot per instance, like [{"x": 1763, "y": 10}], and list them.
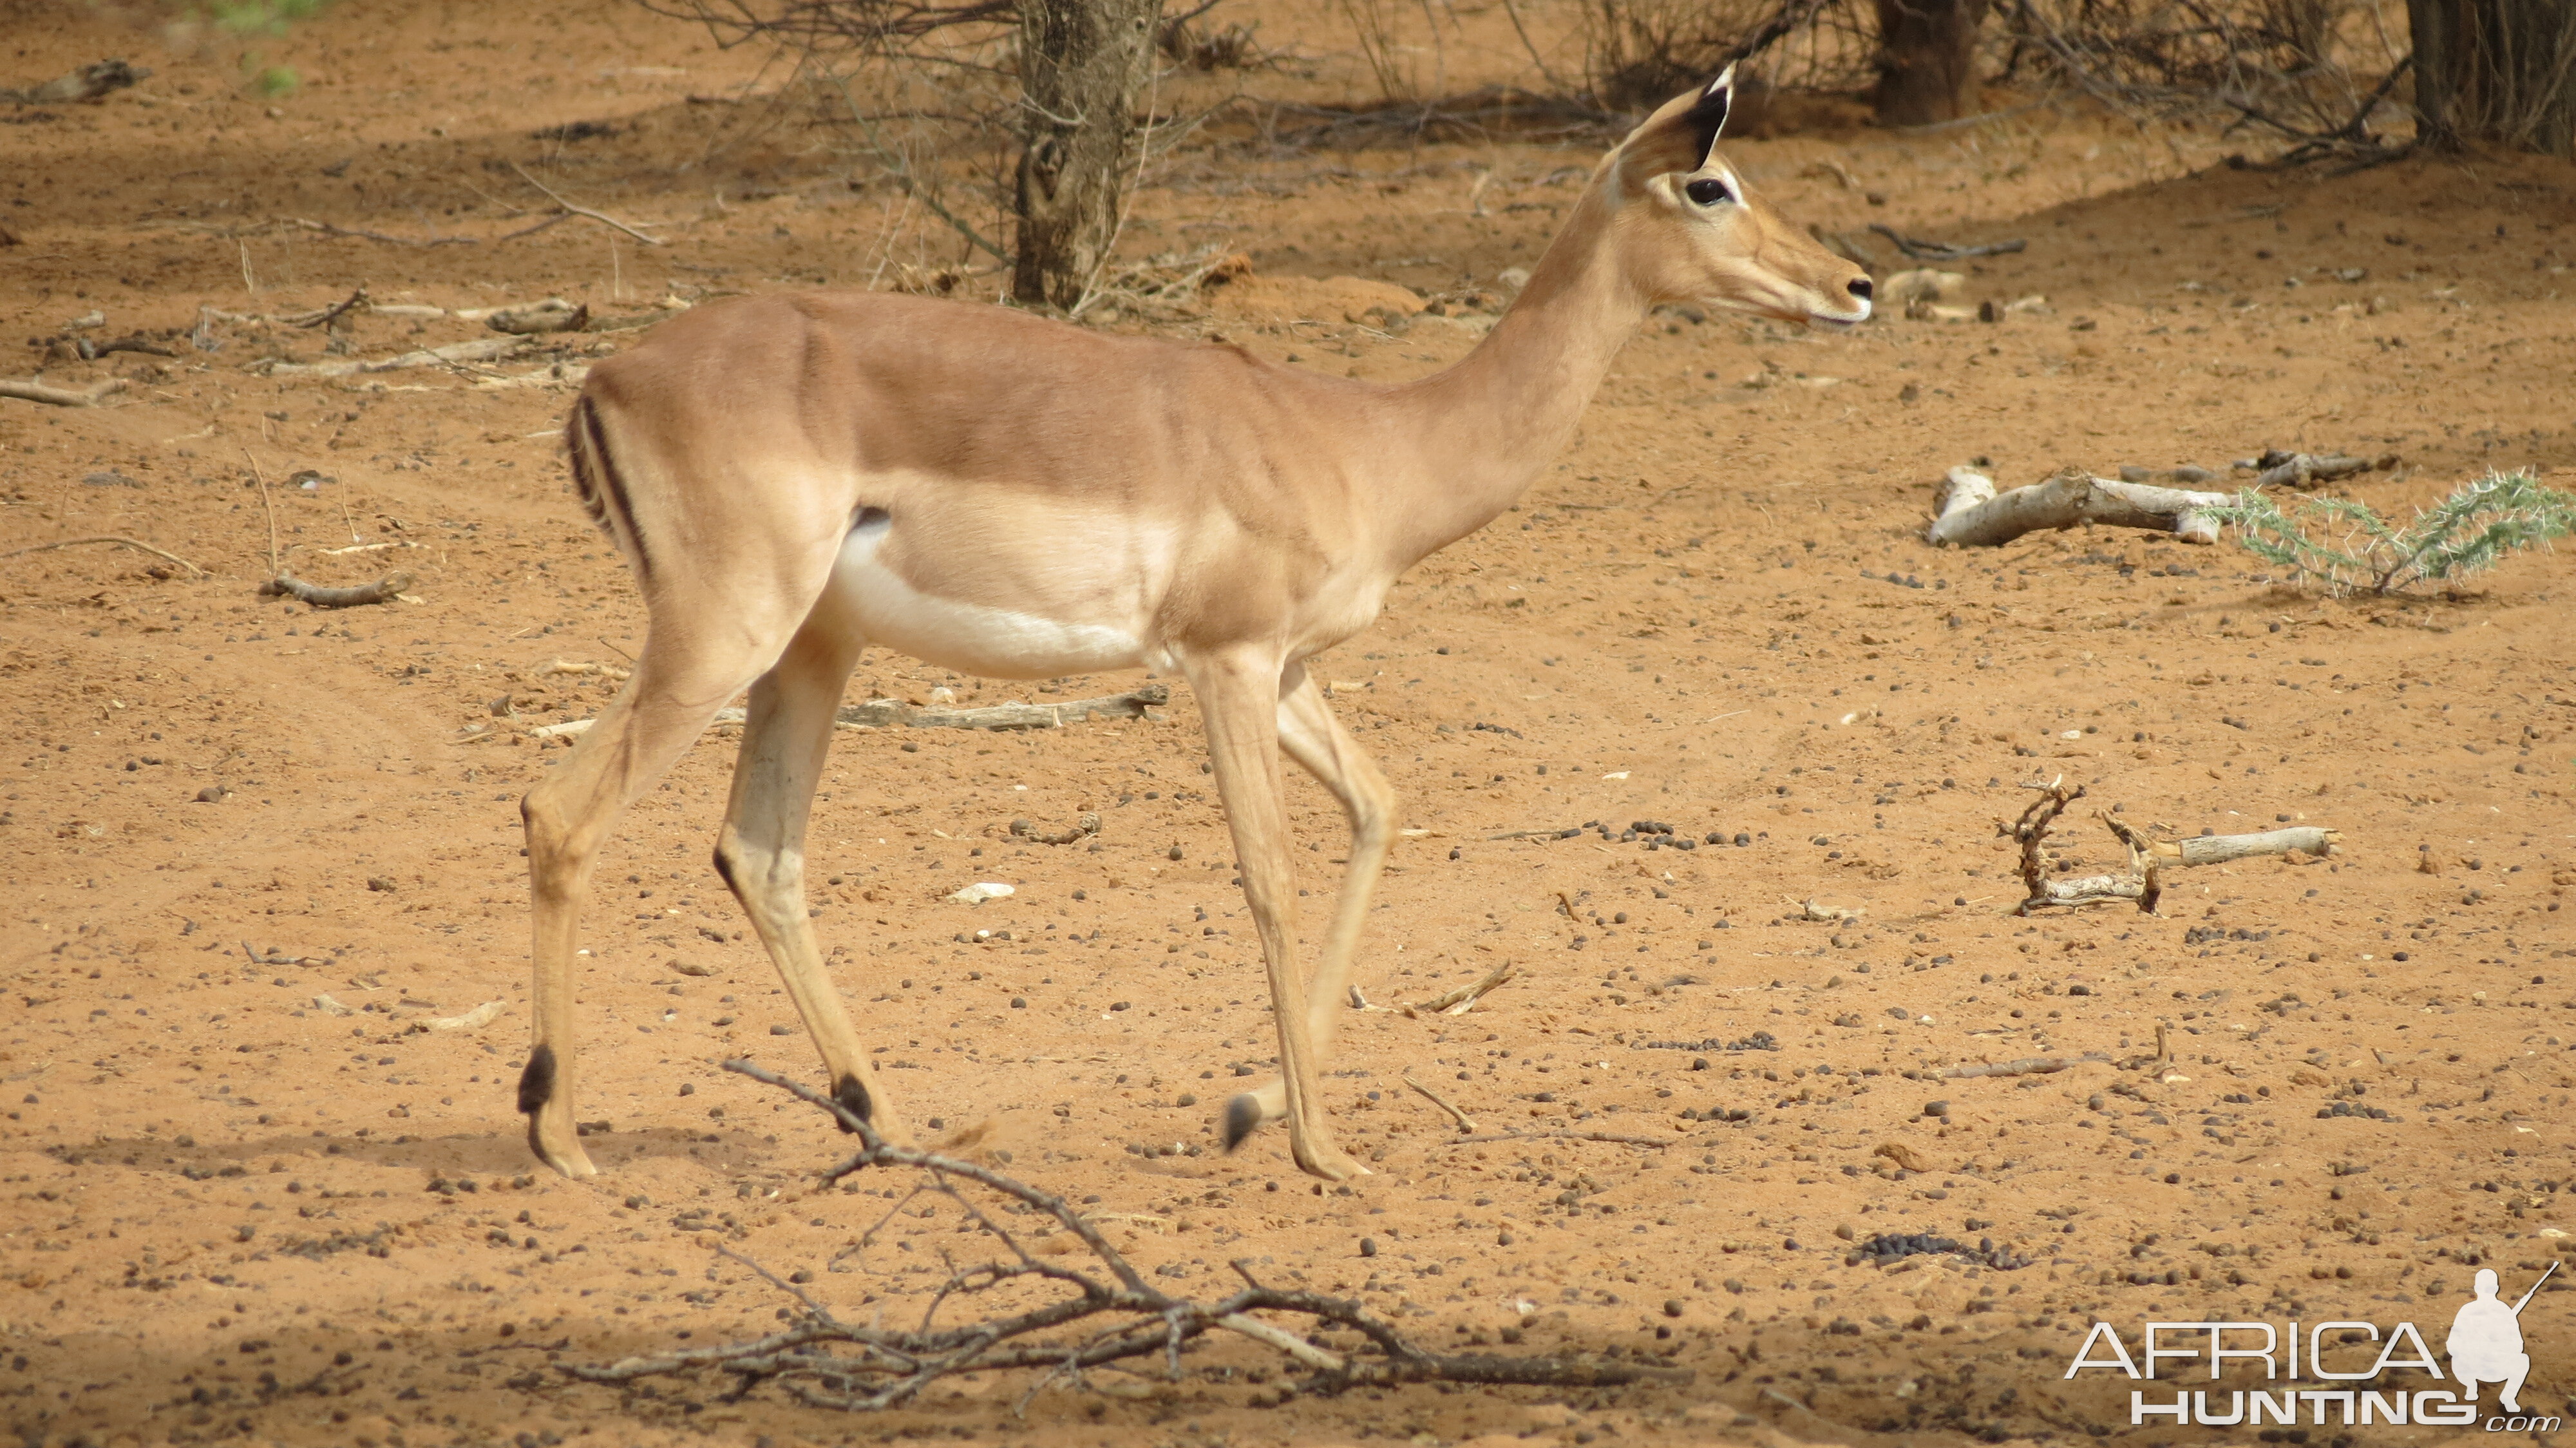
[
  {"x": 892, "y": 713},
  {"x": 30, "y": 390},
  {"x": 2027, "y": 1066},
  {"x": 108, "y": 538},
  {"x": 1456, "y": 1002},
  {"x": 1055, "y": 1317},
  {"x": 1919, "y": 249},
  {"x": 383, "y": 590},
  {"x": 1605, "y": 1136},
  {"x": 1454, "y": 1114},
  {"x": 599, "y": 216}
]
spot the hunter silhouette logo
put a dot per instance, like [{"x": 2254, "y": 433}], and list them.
[
  {"x": 2336, "y": 1373},
  {"x": 2486, "y": 1342}
]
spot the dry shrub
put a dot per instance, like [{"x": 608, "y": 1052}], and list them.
[
  {"x": 1641, "y": 53},
  {"x": 2302, "y": 69}
]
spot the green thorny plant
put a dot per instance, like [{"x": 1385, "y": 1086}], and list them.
[
  {"x": 2468, "y": 532},
  {"x": 252, "y": 19}
]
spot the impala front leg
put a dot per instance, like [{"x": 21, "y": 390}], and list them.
[
  {"x": 1310, "y": 734},
  {"x": 1239, "y": 699}
]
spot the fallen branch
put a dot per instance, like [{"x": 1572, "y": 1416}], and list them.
[
  {"x": 118, "y": 539},
  {"x": 34, "y": 391},
  {"x": 1084, "y": 827},
  {"x": 1972, "y": 513},
  {"x": 2277, "y": 469},
  {"x": 2184, "y": 476},
  {"x": 482, "y": 1015},
  {"x": 599, "y": 216},
  {"x": 2032, "y": 831},
  {"x": 2028, "y": 1066},
  {"x": 1456, "y": 1002},
  {"x": 88, "y": 83},
  {"x": 428, "y": 313},
  {"x": 329, "y": 317},
  {"x": 1610, "y": 1137},
  {"x": 383, "y": 590},
  {"x": 882, "y": 713},
  {"x": 554, "y": 314},
  {"x": 2147, "y": 857},
  {"x": 1542, "y": 834},
  {"x": 482, "y": 349},
  {"x": 1921, "y": 250},
  {"x": 2219, "y": 849},
  {"x": 362, "y": 234},
  {"x": 1453, "y": 1113},
  {"x": 893, "y": 713},
  {"x": 1057, "y": 1318}
]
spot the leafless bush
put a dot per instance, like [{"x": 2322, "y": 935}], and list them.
[
  {"x": 921, "y": 94},
  {"x": 1640, "y": 53},
  {"x": 2311, "y": 72}
]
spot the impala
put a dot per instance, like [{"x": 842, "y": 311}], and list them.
[{"x": 792, "y": 478}]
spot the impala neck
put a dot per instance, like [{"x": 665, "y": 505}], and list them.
[{"x": 1502, "y": 414}]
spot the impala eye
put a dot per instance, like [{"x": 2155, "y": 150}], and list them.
[{"x": 1707, "y": 192}]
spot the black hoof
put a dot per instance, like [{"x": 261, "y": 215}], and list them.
[
  {"x": 1242, "y": 1117},
  {"x": 853, "y": 1099}
]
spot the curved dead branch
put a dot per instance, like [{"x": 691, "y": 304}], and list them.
[{"x": 1087, "y": 1316}]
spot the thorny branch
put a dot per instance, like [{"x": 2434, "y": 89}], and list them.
[{"x": 1101, "y": 1312}]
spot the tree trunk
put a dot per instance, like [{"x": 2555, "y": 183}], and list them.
[
  {"x": 2495, "y": 70},
  {"x": 1083, "y": 64},
  {"x": 1927, "y": 60}
]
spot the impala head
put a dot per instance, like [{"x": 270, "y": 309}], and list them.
[{"x": 1696, "y": 236}]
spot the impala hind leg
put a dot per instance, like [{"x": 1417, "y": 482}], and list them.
[
  {"x": 568, "y": 816},
  {"x": 1239, "y": 697},
  {"x": 1309, "y": 734},
  {"x": 787, "y": 733}
]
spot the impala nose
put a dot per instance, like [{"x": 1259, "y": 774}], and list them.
[{"x": 1860, "y": 288}]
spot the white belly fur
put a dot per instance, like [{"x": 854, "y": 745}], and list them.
[{"x": 972, "y": 638}]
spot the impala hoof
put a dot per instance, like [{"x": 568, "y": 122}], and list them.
[{"x": 1242, "y": 1118}]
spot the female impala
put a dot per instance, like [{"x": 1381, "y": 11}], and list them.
[{"x": 792, "y": 478}]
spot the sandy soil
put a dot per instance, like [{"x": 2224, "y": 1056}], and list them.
[{"x": 251, "y": 849}]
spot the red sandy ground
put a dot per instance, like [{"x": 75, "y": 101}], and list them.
[{"x": 231, "y": 1212}]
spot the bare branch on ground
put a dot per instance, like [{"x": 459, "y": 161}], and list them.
[
  {"x": 482, "y": 349},
  {"x": 895, "y": 713},
  {"x": 601, "y": 217},
  {"x": 1456, "y": 1002},
  {"x": 2148, "y": 857},
  {"x": 108, "y": 538},
  {"x": 1028, "y": 1307},
  {"x": 1920, "y": 249},
  {"x": 1972, "y": 513},
  {"x": 1453, "y": 1113},
  {"x": 383, "y": 590},
  {"x": 30, "y": 390},
  {"x": 87, "y": 83},
  {"x": 2027, "y": 1066}
]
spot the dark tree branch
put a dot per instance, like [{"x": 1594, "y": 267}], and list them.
[{"x": 1114, "y": 1320}]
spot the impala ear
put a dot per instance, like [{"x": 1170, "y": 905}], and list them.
[
  {"x": 1707, "y": 115},
  {"x": 1681, "y": 132}
]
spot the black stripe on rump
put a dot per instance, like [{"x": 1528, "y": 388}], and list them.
[{"x": 603, "y": 491}]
